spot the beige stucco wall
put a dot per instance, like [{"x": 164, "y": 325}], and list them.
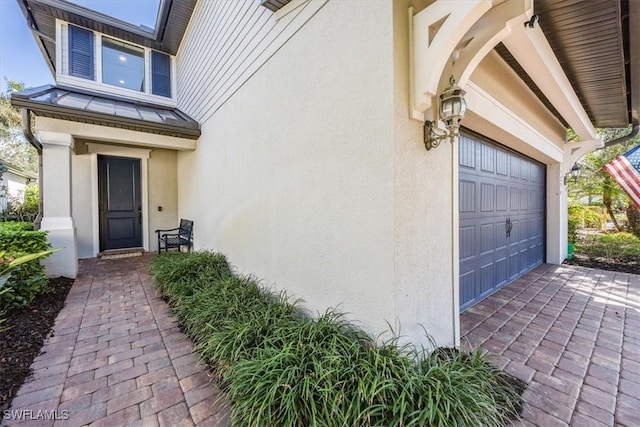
[
  {"x": 163, "y": 192},
  {"x": 81, "y": 199},
  {"x": 424, "y": 233},
  {"x": 293, "y": 176}
]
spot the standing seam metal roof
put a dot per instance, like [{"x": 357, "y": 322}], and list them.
[{"x": 89, "y": 107}]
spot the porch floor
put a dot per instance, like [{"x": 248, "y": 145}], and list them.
[
  {"x": 117, "y": 357},
  {"x": 573, "y": 334}
]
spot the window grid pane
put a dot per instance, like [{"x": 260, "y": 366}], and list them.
[{"x": 122, "y": 65}]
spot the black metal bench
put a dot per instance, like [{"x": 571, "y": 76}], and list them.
[{"x": 177, "y": 238}]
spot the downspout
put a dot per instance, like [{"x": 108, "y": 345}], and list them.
[
  {"x": 35, "y": 143},
  {"x": 634, "y": 132}
]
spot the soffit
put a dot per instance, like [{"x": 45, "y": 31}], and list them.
[
  {"x": 173, "y": 18},
  {"x": 75, "y": 105},
  {"x": 274, "y": 5},
  {"x": 591, "y": 42}
]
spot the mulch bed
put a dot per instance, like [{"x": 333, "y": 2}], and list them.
[
  {"x": 621, "y": 264},
  {"x": 23, "y": 335}
]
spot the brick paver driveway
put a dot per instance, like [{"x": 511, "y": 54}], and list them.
[
  {"x": 574, "y": 335},
  {"x": 116, "y": 357}
]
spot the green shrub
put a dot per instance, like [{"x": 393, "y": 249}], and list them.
[
  {"x": 27, "y": 280},
  {"x": 16, "y": 226},
  {"x": 572, "y": 230},
  {"x": 31, "y": 199},
  {"x": 175, "y": 274},
  {"x": 616, "y": 245},
  {"x": 281, "y": 367},
  {"x": 592, "y": 217},
  {"x": 581, "y": 216}
]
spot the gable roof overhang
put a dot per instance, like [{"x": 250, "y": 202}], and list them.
[
  {"x": 82, "y": 106},
  {"x": 592, "y": 42},
  {"x": 171, "y": 24},
  {"x": 598, "y": 52}
]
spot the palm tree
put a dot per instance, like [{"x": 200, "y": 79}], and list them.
[{"x": 596, "y": 183}]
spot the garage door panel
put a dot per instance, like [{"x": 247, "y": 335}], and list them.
[
  {"x": 488, "y": 158},
  {"x": 524, "y": 199},
  {"x": 487, "y": 238},
  {"x": 514, "y": 198},
  {"x": 487, "y": 275},
  {"x": 501, "y": 198},
  {"x": 501, "y": 234},
  {"x": 467, "y": 196},
  {"x": 524, "y": 170},
  {"x": 468, "y": 292},
  {"x": 524, "y": 258},
  {"x": 487, "y": 197},
  {"x": 467, "y": 153},
  {"x": 514, "y": 264},
  {"x": 497, "y": 187},
  {"x": 537, "y": 173},
  {"x": 515, "y": 166},
  {"x": 502, "y": 163},
  {"x": 467, "y": 242},
  {"x": 514, "y": 235},
  {"x": 501, "y": 271}
]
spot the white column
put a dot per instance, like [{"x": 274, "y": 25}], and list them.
[
  {"x": 57, "y": 217},
  {"x": 556, "y": 215}
]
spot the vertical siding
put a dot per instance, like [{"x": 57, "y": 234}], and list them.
[{"x": 226, "y": 42}]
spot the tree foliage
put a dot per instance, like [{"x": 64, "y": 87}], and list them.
[
  {"x": 595, "y": 185},
  {"x": 14, "y": 148}
]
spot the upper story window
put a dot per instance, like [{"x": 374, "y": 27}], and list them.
[
  {"x": 105, "y": 60},
  {"x": 122, "y": 64}
]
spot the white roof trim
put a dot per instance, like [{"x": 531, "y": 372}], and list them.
[{"x": 531, "y": 49}]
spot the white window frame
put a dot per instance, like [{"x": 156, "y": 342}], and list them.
[{"x": 63, "y": 77}]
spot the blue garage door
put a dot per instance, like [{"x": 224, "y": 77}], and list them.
[{"x": 502, "y": 200}]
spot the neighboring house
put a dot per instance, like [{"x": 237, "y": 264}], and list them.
[
  {"x": 291, "y": 132},
  {"x": 14, "y": 182}
]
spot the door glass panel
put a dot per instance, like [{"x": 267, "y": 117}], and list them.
[{"x": 121, "y": 194}]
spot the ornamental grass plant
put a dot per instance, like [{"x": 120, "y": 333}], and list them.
[{"x": 279, "y": 366}]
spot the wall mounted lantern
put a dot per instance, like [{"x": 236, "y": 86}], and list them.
[
  {"x": 452, "y": 109},
  {"x": 575, "y": 172}
]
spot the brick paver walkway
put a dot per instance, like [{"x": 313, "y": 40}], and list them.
[
  {"x": 116, "y": 357},
  {"x": 574, "y": 335}
]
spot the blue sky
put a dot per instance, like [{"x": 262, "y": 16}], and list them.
[{"x": 20, "y": 58}]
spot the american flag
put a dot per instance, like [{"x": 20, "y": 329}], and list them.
[{"x": 625, "y": 170}]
